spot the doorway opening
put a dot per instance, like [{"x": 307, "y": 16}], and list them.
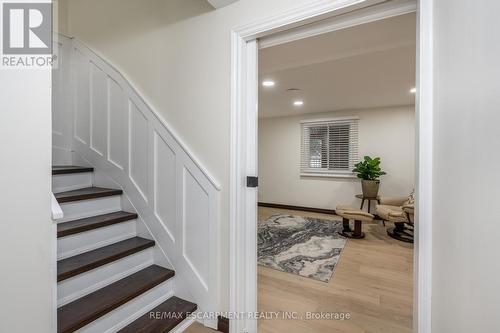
[
  {"x": 326, "y": 246},
  {"x": 298, "y": 24}
]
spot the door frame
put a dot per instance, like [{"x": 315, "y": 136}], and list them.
[{"x": 243, "y": 154}]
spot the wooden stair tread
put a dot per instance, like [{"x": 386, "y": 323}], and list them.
[
  {"x": 68, "y": 169},
  {"x": 86, "y": 193},
  {"x": 83, "y": 311},
  {"x": 170, "y": 314},
  {"x": 93, "y": 222},
  {"x": 87, "y": 261}
]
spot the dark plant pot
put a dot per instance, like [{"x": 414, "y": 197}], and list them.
[{"x": 370, "y": 188}]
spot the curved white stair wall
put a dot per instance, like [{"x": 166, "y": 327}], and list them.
[{"x": 114, "y": 129}]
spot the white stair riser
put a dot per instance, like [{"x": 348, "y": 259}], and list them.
[
  {"x": 88, "y": 282},
  {"x": 61, "y": 183},
  {"x": 85, "y": 208},
  {"x": 90, "y": 240},
  {"x": 130, "y": 311}
]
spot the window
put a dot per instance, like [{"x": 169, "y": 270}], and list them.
[{"x": 329, "y": 147}]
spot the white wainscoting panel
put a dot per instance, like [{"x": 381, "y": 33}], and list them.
[
  {"x": 195, "y": 227},
  {"x": 117, "y": 125},
  {"x": 62, "y": 117},
  {"x": 58, "y": 93},
  {"x": 164, "y": 184},
  {"x": 99, "y": 109},
  {"x": 82, "y": 96},
  {"x": 121, "y": 136},
  {"x": 138, "y": 149}
]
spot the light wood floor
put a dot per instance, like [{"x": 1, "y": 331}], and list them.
[{"x": 373, "y": 282}]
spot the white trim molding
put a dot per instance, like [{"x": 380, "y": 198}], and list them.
[
  {"x": 221, "y": 3},
  {"x": 361, "y": 16},
  {"x": 300, "y": 16},
  {"x": 57, "y": 212},
  {"x": 243, "y": 258},
  {"x": 326, "y": 175},
  {"x": 322, "y": 120},
  {"x": 425, "y": 129}
]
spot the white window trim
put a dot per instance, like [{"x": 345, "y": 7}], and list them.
[
  {"x": 321, "y": 120},
  {"x": 347, "y": 175},
  {"x": 312, "y": 172}
]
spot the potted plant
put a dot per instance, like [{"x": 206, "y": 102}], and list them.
[{"x": 369, "y": 171}]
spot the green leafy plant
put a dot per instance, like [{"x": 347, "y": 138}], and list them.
[{"x": 369, "y": 168}]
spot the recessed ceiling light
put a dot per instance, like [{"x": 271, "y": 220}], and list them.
[
  {"x": 298, "y": 103},
  {"x": 413, "y": 90},
  {"x": 268, "y": 83}
]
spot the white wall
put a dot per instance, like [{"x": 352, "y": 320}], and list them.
[
  {"x": 60, "y": 16},
  {"x": 180, "y": 58},
  {"x": 385, "y": 132},
  {"x": 177, "y": 53},
  {"x": 25, "y": 180},
  {"x": 466, "y": 231}
]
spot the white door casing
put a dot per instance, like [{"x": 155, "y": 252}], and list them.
[{"x": 243, "y": 256}]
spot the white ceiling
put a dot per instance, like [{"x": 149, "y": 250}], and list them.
[{"x": 366, "y": 66}]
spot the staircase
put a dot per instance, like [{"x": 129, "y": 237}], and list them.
[{"x": 108, "y": 278}]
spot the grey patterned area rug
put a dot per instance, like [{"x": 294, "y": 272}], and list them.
[{"x": 304, "y": 246}]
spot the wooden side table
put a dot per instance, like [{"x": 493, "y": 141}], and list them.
[{"x": 363, "y": 198}]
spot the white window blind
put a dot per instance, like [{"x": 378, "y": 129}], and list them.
[{"x": 329, "y": 146}]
